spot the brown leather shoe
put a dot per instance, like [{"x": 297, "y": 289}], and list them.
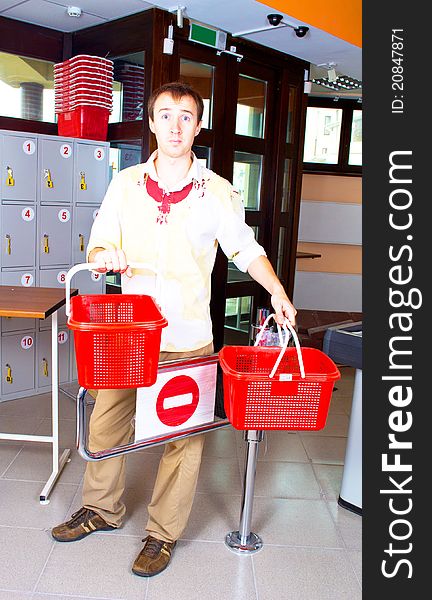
[
  {"x": 82, "y": 523},
  {"x": 153, "y": 558}
]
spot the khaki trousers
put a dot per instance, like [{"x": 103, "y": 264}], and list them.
[{"x": 104, "y": 481}]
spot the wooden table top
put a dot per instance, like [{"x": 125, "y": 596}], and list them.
[{"x": 31, "y": 302}]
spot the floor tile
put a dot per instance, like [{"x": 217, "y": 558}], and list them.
[
  {"x": 67, "y": 431},
  {"x": 286, "y": 480},
  {"x": 303, "y": 574},
  {"x": 25, "y": 424},
  {"x": 109, "y": 576},
  {"x": 277, "y": 445},
  {"x": 23, "y": 553},
  {"x": 294, "y": 523},
  {"x": 8, "y": 452},
  {"x": 348, "y": 524},
  {"x": 15, "y": 595},
  {"x": 34, "y": 463},
  {"x": 330, "y": 479},
  {"x": 213, "y": 516},
  {"x": 20, "y": 506},
  {"x": 325, "y": 449},
  {"x": 336, "y": 425},
  {"x": 355, "y": 558},
  {"x": 218, "y": 475},
  {"x": 220, "y": 443},
  {"x": 340, "y": 404},
  {"x": 204, "y": 570}
]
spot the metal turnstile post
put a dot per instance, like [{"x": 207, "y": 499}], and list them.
[{"x": 244, "y": 541}]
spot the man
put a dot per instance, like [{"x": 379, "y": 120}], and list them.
[{"x": 170, "y": 213}]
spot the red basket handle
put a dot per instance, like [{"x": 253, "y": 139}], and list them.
[
  {"x": 91, "y": 267},
  {"x": 287, "y": 326}
]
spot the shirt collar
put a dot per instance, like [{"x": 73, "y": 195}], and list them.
[{"x": 194, "y": 173}]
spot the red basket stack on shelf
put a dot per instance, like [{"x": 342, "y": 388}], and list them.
[{"x": 83, "y": 96}]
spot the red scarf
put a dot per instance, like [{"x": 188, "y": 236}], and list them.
[{"x": 165, "y": 199}]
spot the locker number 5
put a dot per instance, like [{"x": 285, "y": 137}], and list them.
[{"x": 64, "y": 215}]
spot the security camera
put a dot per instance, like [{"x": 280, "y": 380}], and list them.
[
  {"x": 275, "y": 19},
  {"x": 301, "y": 31},
  {"x": 74, "y": 11}
]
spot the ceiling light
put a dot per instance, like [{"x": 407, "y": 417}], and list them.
[{"x": 342, "y": 82}]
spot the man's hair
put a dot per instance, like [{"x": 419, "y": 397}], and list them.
[{"x": 177, "y": 89}]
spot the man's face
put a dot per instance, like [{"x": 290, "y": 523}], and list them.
[{"x": 175, "y": 125}]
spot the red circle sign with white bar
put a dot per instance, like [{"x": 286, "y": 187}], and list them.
[
  {"x": 181, "y": 398},
  {"x": 177, "y": 400}
]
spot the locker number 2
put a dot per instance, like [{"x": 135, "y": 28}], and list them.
[
  {"x": 29, "y": 147},
  {"x": 65, "y": 150},
  {"x": 64, "y": 215},
  {"x": 27, "y": 342},
  {"x": 27, "y": 213}
]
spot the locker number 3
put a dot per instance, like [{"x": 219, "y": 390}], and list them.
[
  {"x": 99, "y": 153},
  {"x": 27, "y": 213},
  {"x": 27, "y": 342},
  {"x": 64, "y": 215}
]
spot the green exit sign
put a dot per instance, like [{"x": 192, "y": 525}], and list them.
[{"x": 207, "y": 36}]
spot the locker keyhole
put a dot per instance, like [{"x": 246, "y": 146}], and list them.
[
  {"x": 46, "y": 244},
  {"x": 8, "y": 244},
  {"x": 9, "y": 378}
]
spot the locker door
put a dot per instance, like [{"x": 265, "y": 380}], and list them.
[
  {"x": 18, "y": 234},
  {"x": 18, "y": 168},
  {"x": 83, "y": 221},
  {"x": 91, "y": 168},
  {"x": 44, "y": 359},
  {"x": 53, "y": 278},
  {"x": 18, "y": 355},
  {"x": 56, "y": 164},
  {"x": 25, "y": 278},
  {"x": 89, "y": 283},
  {"x": 55, "y": 235}
]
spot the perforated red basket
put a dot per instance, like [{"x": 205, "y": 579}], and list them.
[
  {"x": 288, "y": 401},
  {"x": 117, "y": 340}
]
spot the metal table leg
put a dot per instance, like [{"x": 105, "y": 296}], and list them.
[{"x": 244, "y": 541}]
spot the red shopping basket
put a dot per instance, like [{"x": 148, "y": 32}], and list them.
[
  {"x": 288, "y": 400},
  {"x": 117, "y": 340}
]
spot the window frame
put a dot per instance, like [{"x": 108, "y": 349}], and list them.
[{"x": 342, "y": 167}]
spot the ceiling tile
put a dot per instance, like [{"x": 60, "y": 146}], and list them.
[
  {"x": 51, "y": 15},
  {"x": 4, "y": 4},
  {"x": 108, "y": 9}
]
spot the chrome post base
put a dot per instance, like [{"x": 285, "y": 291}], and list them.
[{"x": 252, "y": 544}]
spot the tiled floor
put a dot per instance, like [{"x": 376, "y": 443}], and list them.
[{"x": 312, "y": 546}]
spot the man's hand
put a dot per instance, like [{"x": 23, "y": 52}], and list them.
[
  {"x": 283, "y": 308},
  {"x": 110, "y": 260}
]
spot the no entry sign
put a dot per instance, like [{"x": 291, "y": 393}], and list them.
[{"x": 180, "y": 398}]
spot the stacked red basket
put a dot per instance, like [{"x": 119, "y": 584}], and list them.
[{"x": 83, "y": 96}]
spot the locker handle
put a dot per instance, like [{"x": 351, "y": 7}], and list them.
[
  {"x": 10, "y": 181},
  {"x": 48, "y": 181},
  {"x": 46, "y": 243},
  {"x": 83, "y": 185},
  {"x": 8, "y": 243},
  {"x": 9, "y": 378},
  {"x": 45, "y": 367},
  {"x": 81, "y": 239}
]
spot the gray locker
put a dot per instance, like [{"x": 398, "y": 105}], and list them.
[
  {"x": 73, "y": 372},
  {"x": 54, "y": 278},
  {"x": 82, "y": 224},
  {"x": 55, "y": 235},
  {"x": 56, "y": 169},
  {"x": 88, "y": 282},
  {"x": 18, "y": 154},
  {"x": 24, "y": 278},
  {"x": 91, "y": 172},
  {"x": 18, "y": 234},
  {"x": 44, "y": 358},
  {"x": 18, "y": 356}
]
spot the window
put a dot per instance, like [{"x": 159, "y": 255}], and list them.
[
  {"x": 201, "y": 78},
  {"x": 128, "y": 88},
  {"x": 26, "y": 88},
  {"x": 333, "y": 136}
]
